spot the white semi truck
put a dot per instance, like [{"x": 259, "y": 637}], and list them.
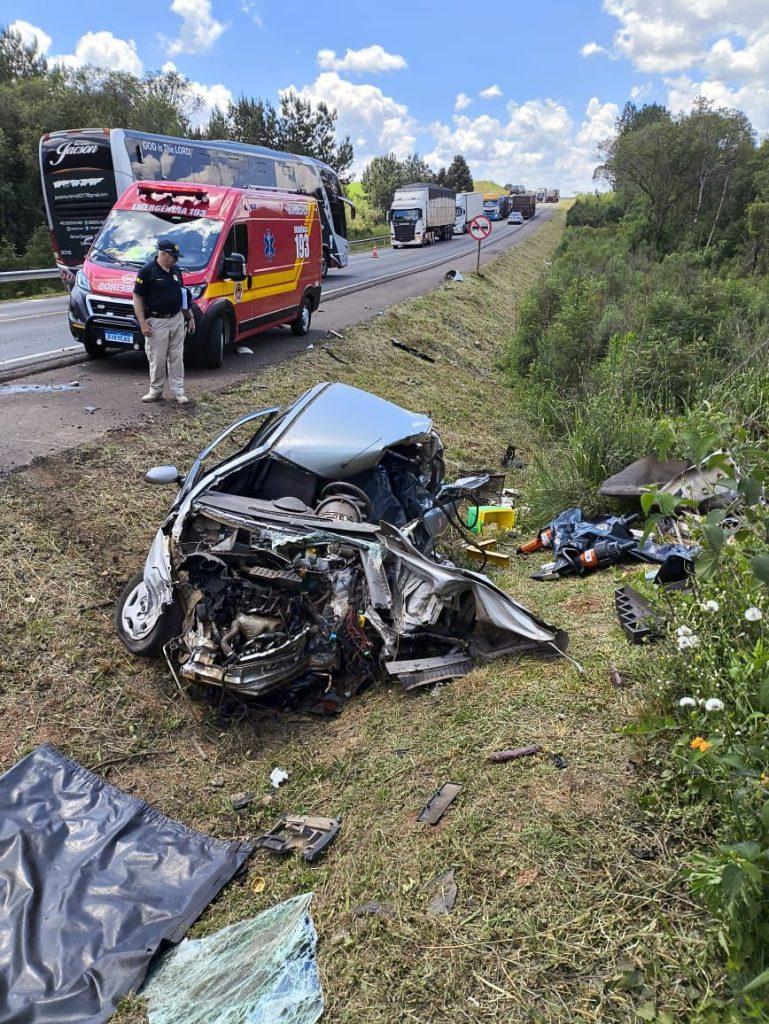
[
  {"x": 468, "y": 205},
  {"x": 421, "y": 214}
]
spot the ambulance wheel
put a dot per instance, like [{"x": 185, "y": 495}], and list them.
[
  {"x": 94, "y": 351},
  {"x": 301, "y": 325},
  {"x": 217, "y": 340}
]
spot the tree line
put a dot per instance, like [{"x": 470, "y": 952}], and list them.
[
  {"x": 688, "y": 181},
  {"x": 38, "y": 97},
  {"x": 385, "y": 174}
]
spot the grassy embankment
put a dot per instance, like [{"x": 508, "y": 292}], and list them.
[{"x": 556, "y": 918}]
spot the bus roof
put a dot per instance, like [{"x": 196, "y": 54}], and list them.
[{"x": 218, "y": 143}]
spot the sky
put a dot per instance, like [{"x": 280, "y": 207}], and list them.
[{"x": 526, "y": 96}]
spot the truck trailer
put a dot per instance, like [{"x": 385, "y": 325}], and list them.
[
  {"x": 552, "y": 195},
  {"x": 468, "y": 205},
  {"x": 526, "y": 204},
  {"x": 421, "y": 214}
]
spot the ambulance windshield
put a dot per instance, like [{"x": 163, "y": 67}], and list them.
[{"x": 130, "y": 237}]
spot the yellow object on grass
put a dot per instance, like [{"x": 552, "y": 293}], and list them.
[{"x": 480, "y": 516}]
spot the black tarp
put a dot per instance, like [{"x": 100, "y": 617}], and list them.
[{"x": 92, "y": 881}]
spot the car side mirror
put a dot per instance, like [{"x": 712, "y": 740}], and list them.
[
  {"x": 234, "y": 267},
  {"x": 163, "y": 475}
]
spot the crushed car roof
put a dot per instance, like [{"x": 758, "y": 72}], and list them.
[{"x": 344, "y": 427}]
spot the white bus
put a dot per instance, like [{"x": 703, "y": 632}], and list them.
[{"x": 83, "y": 171}]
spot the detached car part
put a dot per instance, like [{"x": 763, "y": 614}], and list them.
[
  {"x": 307, "y": 835},
  {"x": 308, "y": 560}
]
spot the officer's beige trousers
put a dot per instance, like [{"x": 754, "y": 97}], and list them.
[{"x": 165, "y": 348}]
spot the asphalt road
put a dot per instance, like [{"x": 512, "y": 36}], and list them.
[
  {"x": 42, "y": 412},
  {"x": 32, "y": 329}
]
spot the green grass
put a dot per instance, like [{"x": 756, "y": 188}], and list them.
[
  {"x": 555, "y": 920},
  {"x": 487, "y": 186}
]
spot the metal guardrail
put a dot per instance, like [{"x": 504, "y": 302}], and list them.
[
  {"x": 367, "y": 241},
  {"x": 14, "y": 276}
]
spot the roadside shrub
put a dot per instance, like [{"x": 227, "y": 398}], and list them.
[
  {"x": 711, "y": 685},
  {"x": 595, "y": 211},
  {"x": 596, "y": 438}
]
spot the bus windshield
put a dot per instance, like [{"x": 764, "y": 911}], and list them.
[{"x": 129, "y": 237}]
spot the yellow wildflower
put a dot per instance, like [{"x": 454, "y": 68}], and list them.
[{"x": 698, "y": 743}]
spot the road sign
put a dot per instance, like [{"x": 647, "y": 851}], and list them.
[{"x": 480, "y": 227}]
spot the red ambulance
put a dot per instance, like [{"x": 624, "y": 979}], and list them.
[{"x": 250, "y": 257}]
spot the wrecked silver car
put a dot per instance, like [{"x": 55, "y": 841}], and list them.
[{"x": 309, "y": 558}]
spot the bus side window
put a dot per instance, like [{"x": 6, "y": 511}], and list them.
[{"x": 204, "y": 167}]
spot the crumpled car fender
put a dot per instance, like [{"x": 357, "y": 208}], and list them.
[{"x": 157, "y": 573}]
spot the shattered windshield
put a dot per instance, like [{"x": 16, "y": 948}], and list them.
[{"x": 130, "y": 237}]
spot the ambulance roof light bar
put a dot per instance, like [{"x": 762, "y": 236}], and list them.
[{"x": 173, "y": 189}]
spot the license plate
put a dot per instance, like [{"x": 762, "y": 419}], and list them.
[{"x": 119, "y": 337}]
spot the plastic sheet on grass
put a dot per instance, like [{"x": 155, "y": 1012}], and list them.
[
  {"x": 256, "y": 971},
  {"x": 92, "y": 881}
]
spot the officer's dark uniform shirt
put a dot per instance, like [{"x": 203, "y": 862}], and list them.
[{"x": 160, "y": 289}]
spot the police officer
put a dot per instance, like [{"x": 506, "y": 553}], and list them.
[{"x": 160, "y": 304}]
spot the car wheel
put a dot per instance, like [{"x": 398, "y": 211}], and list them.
[
  {"x": 301, "y": 325},
  {"x": 145, "y": 630},
  {"x": 217, "y": 340}
]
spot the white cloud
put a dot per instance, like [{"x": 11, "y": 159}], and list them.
[
  {"x": 538, "y": 143},
  {"x": 639, "y": 92},
  {"x": 209, "y": 96},
  {"x": 491, "y": 92},
  {"x": 752, "y": 99},
  {"x": 462, "y": 101},
  {"x": 591, "y": 49},
  {"x": 31, "y": 35},
  {"x": 250, "y": 8},
  {"x": 369, "y": 60},
  {"x": 364, "y": 112},
  {"x": 102, "y": 50},
  {"x": 729, "y": 38},
  {"x": 199, "y": 29}
]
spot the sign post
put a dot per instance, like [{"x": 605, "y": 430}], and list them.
[{"x": 480, "y": 228}]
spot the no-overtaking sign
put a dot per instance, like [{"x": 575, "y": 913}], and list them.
[{"x": 480, "y": 228}]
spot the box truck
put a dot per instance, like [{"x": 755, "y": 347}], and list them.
[
  {"x": 552, "y": 195},
  {"x": 421, "y": 214},
  {"x": 468, "y": 205}
]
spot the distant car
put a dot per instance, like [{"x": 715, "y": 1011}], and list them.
[{"x": 516, "y": 217}]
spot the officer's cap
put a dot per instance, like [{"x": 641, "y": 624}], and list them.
[{"x": 166, "y": 245}]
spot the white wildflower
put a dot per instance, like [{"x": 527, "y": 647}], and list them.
[
  {"x": 714, "y": 704},
  {"x": 687, "y": 702},
  {"x": 684, "y": 642},
  {"x": 753, "y": 614},
  {"x": 683, "y": 631},
  {"x": 711, "y": 606}
]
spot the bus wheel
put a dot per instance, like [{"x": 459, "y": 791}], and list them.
[
  {"x": 217, "y": 340},
  {"x": 301, "y": 325}
]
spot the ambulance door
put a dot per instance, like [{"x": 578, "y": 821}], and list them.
[
  {"x": 274, "y": 284},
  {"x": 237, "y": 241}
]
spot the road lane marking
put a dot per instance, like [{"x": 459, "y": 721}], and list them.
[
  {"x": 42, "y": 355},
  {"x": 29, "y": 316}
]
